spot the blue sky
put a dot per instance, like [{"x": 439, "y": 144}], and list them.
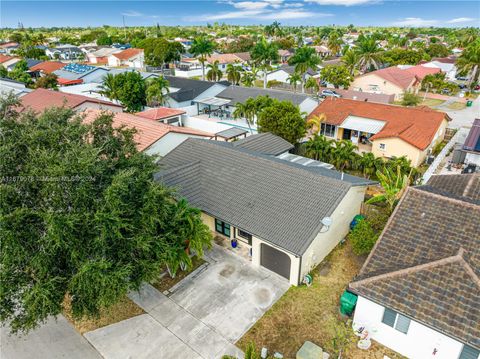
[{"x": 242, "y": 12}]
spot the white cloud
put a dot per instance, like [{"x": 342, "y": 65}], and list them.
[
  {"x": 284, "y": 14},
  {"x": 416, "y": 22},
  {"x": 343, "y": 2},
  {"x": 132, "y": 13},
  {"x": 460, "y": 20},
  {"x": 293, "y": 5},
  {"x": 250, "y": 5},
  {"x": 274, "y": 3},
  {"x": 291, "y": 14}
]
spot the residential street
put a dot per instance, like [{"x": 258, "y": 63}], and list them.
[{"x": 465, "y": 117}]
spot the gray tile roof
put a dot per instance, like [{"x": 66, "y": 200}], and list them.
[
  {"x": 426, "y": 265},
  {"x": 231, "y": 133},
  {"x": 240, "y": 94},
  {"x": 189, "y": 88},
  {"x": 265, "y": 143},
  {"x": 277, "y": 201},
  {"x": 461, "y": 185}
]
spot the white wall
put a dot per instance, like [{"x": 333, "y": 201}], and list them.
[
  {"x": 472, "y": 158},
  {"x": 419, "y": 342},
  {"x": 98, "y": 106},
  {"x": 190, "y": 73},
  {"x": 325, "y": 242}
]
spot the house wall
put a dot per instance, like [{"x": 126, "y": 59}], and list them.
[
  {"x": 473, "y": 158},
  {"x": 167, "y": 143},
  {"x": 419, "y": 342},
  {"x": 97, "y": 106},
  {"x": 325, "y": 242},
  {"x": 190, "y": 73},
  {"x": 363, "y": 83}
]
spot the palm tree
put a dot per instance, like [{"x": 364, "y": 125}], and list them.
[
  {"x": 110, "y": 87},
  {"x": 334, "y": 43},
  {"x": 312, "y": 83},
  {"x": 303, "y": 59},
  {"x": 202, "y": 47},
  {"x": 293, "y": 80},
  {"x": 319, "y": 148},
  {"x": 394, "y": 184},
  {"x": 248, "y": 79},
  {"x": 315, "y": 123},
  {"x": 234, "y": 74},
  {"x": 370, "y": 164},
  {"x": 157, "y": 91},
  {"x": 344, "y": 155},
  {"x": 245, "y": 110},
  {"x": 368, "y": 54},
  {"x": 214, "y": 73},
  {"x": 469, "y": 61},
  {"x": 263, "y": 54},
  {"x": 350, "y": 59}
]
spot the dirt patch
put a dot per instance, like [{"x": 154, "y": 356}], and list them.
[
  {"x": 167, "y": 282},
  {"x": 312, "y": 313},
  {"x": 227, "y": 270},
  {"x": 124, "y": 309},
  {"x": 262, "y": 296}
]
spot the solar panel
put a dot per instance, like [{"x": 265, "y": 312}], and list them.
[{"x": 78, "y": 68}]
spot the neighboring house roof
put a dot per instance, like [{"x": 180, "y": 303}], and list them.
[
  {"x": 8, "y": 85},
  {"x": 420, "y": 71},
  {"x": 48, "y": 66},
  {"x": 238, "y": 94},
  {"x": 188, "y": 88},
  {"x": 159, "y": 113},
  {"x": 245, "y": 56},
  {"x": 8, "y": 44},
  {"x": 426, "y": 264},
  {"x": 224, "y": 58},
  {"x": 30, "y": 63},
  {"x": 128, "y": 53},
  {"x": 284, "y": 53},
  {"x": 231, "y": 133},
  {"x": 290, "y": 69},
  {"x": 265, "y": 143},
  {"x": 414, "y": 125},
  {"x": 5, "y": 58},
  {"x": 395, "y": 75},
  {"x": 472, "y": 142},
  {"x": 363, "y": 96},
  {"x": 278, "y": 201},
  {"x": 148, "y": 131},
  {"x": 41, "y": 99},
  {"x": 105, "y": 51}
]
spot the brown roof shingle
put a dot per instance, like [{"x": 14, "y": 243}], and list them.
[{"x": 426, "y": 265}]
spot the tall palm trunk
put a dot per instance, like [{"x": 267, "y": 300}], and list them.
[
  {"x": 265, "y": 78},
  {"x": 303, "y": 83}
]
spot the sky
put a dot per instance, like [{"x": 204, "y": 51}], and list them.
[{"x": 241, "y": 12}]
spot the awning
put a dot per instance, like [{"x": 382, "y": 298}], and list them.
[
  {"x": 213, "y": 101},
  {"x": 362, "y": 124},
  {"x": 231, "y": 133}
]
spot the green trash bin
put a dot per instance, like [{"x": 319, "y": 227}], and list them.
[
  {"x": 348, "y": 301},
  {"x": 469, "y": 103}
]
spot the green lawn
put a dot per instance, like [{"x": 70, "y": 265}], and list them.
[
  {"x": 457, "y": 106},
  {"x": 431, "y": 102}
]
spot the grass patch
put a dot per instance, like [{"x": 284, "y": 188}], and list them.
[
  {"x": 122, "y": 310},
  {"x": 457, "y": 106},
  {"x": 167, "y": 282},
  {"x": 312, "y": 313},
  {"x": 431, "y": 102}
]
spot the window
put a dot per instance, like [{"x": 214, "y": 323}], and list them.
[
  {"x": 222, "y": 227},
  {"x": 469, "y": 353},
  {"x": 244, "y": 235},
  {"x": 328, "y": 130},
  {"x": 396, "y": 320},
  {"x": 382, "y": 146}
]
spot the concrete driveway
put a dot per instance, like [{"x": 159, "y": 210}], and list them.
[{"x": 201, "y": 317}]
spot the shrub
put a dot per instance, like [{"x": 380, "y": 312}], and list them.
[
  {"x": 410, "y": 99},
  {"x": 363, "y": 237}
]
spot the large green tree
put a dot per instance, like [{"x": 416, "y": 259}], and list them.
[
  {"x": 81, "y": 216},
  {"x": 469, "y": 61},
  {"x": 304, "y": 58},
  {"x": 157, "y": 91},
  {"x": 337, "y": 75},
  {"x": 129, "y": 88},
  {"x": 202, "y": 47},
  {"x": 284, "y": 119}
]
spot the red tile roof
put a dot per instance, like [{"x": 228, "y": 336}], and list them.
[
  {"x": 41, "y": 99},
  {"x": 8, "y": 44},
  {"x": 64, "y": 82},
  {"x": 395, "y": 75},
  {"x": 224, "y": 59},
  {"x": 416, "y": 126},
  {"x": 4, "y": 58},
  {"x": 159, "y": 113},
  {"x": 48, "y": 66},
  {"x": 148, "y": 131},
  {"x": 128, "y": 53},
  {"x": 421, "y": 71}
]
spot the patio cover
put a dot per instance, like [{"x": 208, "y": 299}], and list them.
[
  {"x": 362, "y": 124},
  {"x": 231, "y": 133},
  {"x": 213, "y": 101}
]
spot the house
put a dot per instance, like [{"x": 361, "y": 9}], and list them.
[
  {"x": 46, "y": 67},
  {"x": 41, "y": 99},
  {"x": 418, "y": 291},
  {"x": 7, "y": 61},
  {"x": 152, "y": 137},
  {"x": 385, "y": 130},
  {"x": 471, "y": 147},
  {"x": 188, "y": 67},
  {"x": 101, "y": 55},
  {"x": 8, "y": 47},
  {"x": 286, "y": 215},
  {"x": 130, "y": 58},
  {"x": 170, "y": 116},
  {"x": 391, "y": 81},
  {"x": 30, "y": 63},
  {"x": 446, "y": 66},
  {"x": 284, "y": 55},
  {"x": 8, "y": 86},
  {"x": 322, "y": 51},
  {"x": 420, "y": 71},
  {"x": 64, "y": 52},
  {"x": 283, "y": 73},
  {"x": 74, "y": 74},
  {"x": 184, "y": 91},
  {"x": 226, "y": 59}
]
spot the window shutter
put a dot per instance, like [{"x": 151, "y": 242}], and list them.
[
  {"x": 389, "y": 317},
  {"x": 403, "y": 323},
  {"x": 469, "y": 353}
]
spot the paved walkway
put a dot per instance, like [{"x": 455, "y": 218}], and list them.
[{"x": 202, "y": 316}]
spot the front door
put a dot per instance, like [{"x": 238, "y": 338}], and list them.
[{"x": 347, "y": 134}]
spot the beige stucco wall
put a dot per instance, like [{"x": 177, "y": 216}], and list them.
[
  {"x": 363, "y": 83},
  {"x": 97, "y": 106},
  {"x": 325, "y": 242}
]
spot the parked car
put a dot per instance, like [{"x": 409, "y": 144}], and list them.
[
  {"x": 461, "y": 78},
  {"x": 330, "y": 93},
  {"x": 446, "y": 91}
]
